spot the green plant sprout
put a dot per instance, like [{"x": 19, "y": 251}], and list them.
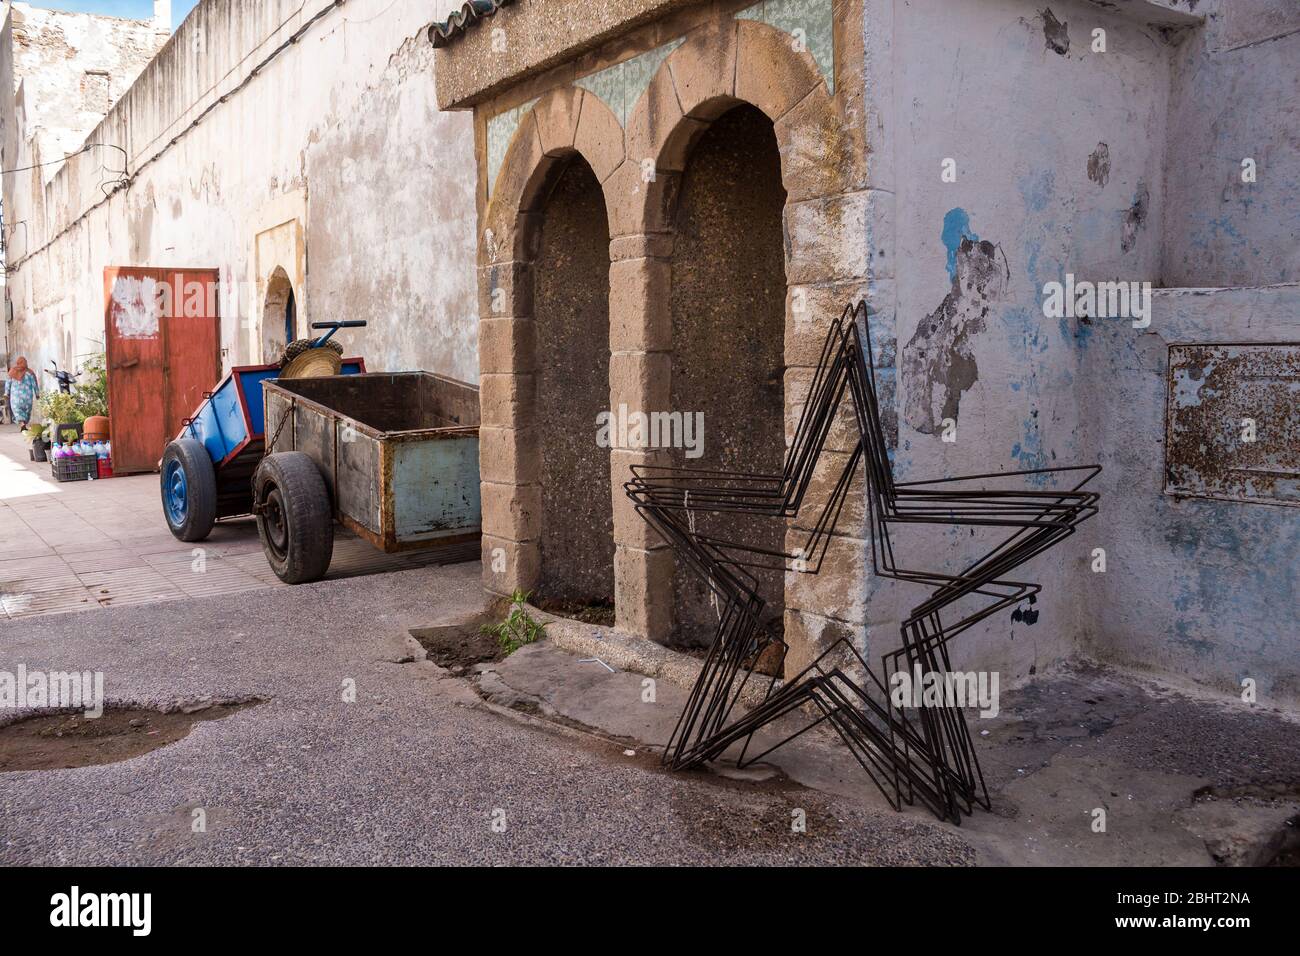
[
  {"x": 92, "y": 390},
  {"x": 518, "y": 628}
]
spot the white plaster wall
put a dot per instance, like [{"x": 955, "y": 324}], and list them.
[
  {"x": 50, "y": 52},
  {"x": 976, "y": 82},
  {"x": 1236, "y": 95},
  {"x": 345, "y": 117},
  {"x": 1199, "y": 588}
]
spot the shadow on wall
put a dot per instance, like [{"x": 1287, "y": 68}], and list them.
[
  {"x": 728, "y": 317},
  {"x": 571, "y": 303},
  {"x": 279, "y": 316}
]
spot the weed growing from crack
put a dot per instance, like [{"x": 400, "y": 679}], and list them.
[{"x": 518, "y": 628}]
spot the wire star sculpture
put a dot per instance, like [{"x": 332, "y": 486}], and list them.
[{"x": 912, "y": 753}]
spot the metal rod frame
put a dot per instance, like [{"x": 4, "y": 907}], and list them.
[{"x": 918, "y": 753}]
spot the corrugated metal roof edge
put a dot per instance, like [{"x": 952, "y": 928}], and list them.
[{"x": 444, "y": 33}]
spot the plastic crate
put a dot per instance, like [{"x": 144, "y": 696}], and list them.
[
  {"x": 75, "y": 468},
  {"x": 105, "y": 467}
]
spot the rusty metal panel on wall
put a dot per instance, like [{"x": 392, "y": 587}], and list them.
[{"x": 1232, "y": 428}]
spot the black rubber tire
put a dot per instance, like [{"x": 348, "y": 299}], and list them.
[
  {"x": 200, "y": 489},
  {"x": 294, "y": 518},
  {"x": 298, "y": 346}
]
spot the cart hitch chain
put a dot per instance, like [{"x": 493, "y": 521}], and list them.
[{"x": 278, "y": 428}]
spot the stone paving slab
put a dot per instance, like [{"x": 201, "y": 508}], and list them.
[{"x": 89, "y": 545}]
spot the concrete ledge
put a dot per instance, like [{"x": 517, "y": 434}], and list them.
[{"x": 631, "y": 653}]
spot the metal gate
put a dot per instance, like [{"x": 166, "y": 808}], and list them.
[{"x": 162, "y": 330}]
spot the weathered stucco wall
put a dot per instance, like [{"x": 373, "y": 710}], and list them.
[
  {"x": 332, "y": 162},
  {"x": 1057, "y": 167},
  {"x": 1236, "y": 96},
  {"x": 1205, "y": 589},
  {"x": 1122, "y": 165},
  {"x": 66, "y": 70}
]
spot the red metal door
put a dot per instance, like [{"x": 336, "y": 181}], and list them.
[{"x": 162, "y": 331}]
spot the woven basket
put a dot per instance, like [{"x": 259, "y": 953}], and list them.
[{"x": 313, "y": 364}]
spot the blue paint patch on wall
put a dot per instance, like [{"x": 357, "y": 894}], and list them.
[
  {"x": 1036, "y": 190},
  {"x": 1028, "y": 452},
  {"x": 1024, "y": 331},
  {"x": 1080, "y": 332},
  {"x": 956, "y": 227},
  {"x": 1033, "y": 249}
]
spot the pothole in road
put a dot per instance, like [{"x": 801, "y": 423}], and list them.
[
  {"x": 458, "y": 647},
  {"x": 67, "y": 740}
]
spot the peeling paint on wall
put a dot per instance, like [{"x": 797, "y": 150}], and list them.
[
  {"x": 1099, "y": 165},
  {"x": 1135, "y": 218},
  {"x": 135, "y": 307},
  {"x": 938, "y": 364},
  {"x": 1055, "y": 33},
  {"x": 956, "y": 227}
]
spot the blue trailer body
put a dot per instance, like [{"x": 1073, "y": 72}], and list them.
[
  {"x": 234, "y": 415},
  {"x": 231, "y": 426}
]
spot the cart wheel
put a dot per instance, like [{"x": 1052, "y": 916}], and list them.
[
  {"x": 189, "y": 490},
  {"x": 294, "y": 517}
]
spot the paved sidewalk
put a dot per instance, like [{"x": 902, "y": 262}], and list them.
[{"x": 83, "y": 545}]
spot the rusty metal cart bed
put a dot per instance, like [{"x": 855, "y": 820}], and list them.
[{"x": 393, "y": 457}]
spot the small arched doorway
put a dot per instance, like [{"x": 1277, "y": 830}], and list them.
[
  {"x": 728, "y": 346},
  {"x": 571, "y": 309},
  {"x": 279, "y": 316}
]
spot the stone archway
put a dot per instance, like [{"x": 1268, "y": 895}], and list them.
[
  {"x": 817, "y": 115},
  {"x": 279, "y": 315},
  {"x": 828, "y": 257},
  {"x": 544, "y": 229},
  {"x": 571, "y": 315},
  {"x": 728, "y": 336}
]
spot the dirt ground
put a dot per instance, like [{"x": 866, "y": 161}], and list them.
[
  {"x": 459, "y": 647},
  {"x": 73, "y": 740},
  {"x": 1085, "y": 765}
]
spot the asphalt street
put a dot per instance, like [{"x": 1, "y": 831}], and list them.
[{"x": 417, "y": 770}]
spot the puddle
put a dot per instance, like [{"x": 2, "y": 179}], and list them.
[
  {"x": 63, "y": 741},
  {"x": 458, "y": 647}
]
